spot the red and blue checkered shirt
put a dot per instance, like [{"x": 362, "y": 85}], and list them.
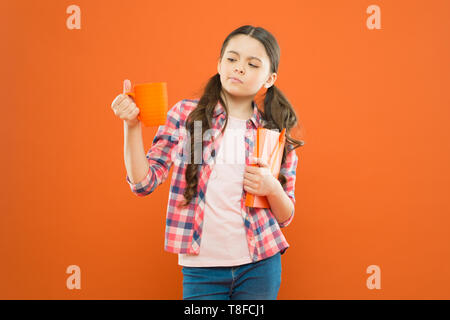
[{"x": 184, "y": 224}]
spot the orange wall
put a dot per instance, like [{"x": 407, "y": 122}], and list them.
[{"x": 373, "y": 178}]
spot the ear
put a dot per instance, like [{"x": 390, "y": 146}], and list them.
[
  {"x": 218, "y": 66},
  {"x": 271, "y": 80}
]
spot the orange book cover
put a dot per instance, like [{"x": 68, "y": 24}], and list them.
[{"x": 269, "y": 146}]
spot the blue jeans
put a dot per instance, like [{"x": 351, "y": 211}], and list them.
[{"x": 258, "y": 280}]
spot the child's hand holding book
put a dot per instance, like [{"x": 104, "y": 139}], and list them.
[{"x": 260, "y": 178}]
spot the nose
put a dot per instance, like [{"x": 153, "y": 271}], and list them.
[{"x": 239, "y": 69}]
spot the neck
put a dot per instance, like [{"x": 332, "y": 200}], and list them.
[{"x": 239, "y": 107}]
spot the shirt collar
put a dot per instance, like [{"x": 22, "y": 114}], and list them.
[{"x": 256, "y": 117}]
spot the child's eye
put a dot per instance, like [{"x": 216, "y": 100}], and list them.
[{"x": 231, "y": 59}]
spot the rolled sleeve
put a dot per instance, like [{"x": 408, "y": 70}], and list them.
[
  {"x": 143, "y": 187},
  {"x": 289, "y": 170}
]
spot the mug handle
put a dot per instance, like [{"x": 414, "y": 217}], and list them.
[{"x": 131, "y": 94}]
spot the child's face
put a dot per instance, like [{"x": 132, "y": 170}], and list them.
[{"x": 254, "y": 72}]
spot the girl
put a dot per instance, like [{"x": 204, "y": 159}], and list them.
[{"x": 226, "y": 250}]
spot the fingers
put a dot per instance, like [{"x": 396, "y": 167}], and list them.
[
  {"x": 259, "y": 161},
  {"x": 128, "y": 107},
  {"x": 118, "y": 101},
  {"x": 125, "y": 102},
  {"x": 252, "y": 170},
  {"x": 263, "y": 164},
  {"x": 251, "y": 184},
  {"x": 129, "y": 113},
  {"x": 250, "y": 175},
  {"x": 123, "y": 105},
  {"x": 252, "y": 160},
  {"x": 126, "y": 86}
]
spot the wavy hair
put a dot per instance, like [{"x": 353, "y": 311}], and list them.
[{"x": 278, "y": 112}]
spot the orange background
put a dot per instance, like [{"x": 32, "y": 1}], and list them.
[{"x": 373, "y": 177}]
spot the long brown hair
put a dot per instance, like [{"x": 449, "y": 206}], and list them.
[{"x": 278, "y": 112}]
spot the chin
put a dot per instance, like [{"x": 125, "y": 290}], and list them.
[{"x": 235, "y": 91}]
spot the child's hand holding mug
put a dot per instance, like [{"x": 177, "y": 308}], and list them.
[
  {"x": 146, "y": 103},
  {"x": 125, "y": 107}
]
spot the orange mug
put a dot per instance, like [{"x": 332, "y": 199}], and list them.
[{"x": 151, "y": 99}]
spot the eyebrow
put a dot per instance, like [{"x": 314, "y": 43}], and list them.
[{"x": 251, "y": 57}]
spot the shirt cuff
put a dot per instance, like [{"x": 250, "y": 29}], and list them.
[
  {"x": 288, "y": 221},
  {"x": 139, "y": 186}
]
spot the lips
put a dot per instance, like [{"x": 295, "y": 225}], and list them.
[{"x": 234, "y": 78}]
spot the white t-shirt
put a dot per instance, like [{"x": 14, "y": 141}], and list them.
[{"x": 223, "y": 239}]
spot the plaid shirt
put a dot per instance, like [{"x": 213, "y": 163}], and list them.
[{"x": 184, "y": 224}]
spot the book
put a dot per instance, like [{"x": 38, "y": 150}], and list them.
[{"x": 269, "y": 147}]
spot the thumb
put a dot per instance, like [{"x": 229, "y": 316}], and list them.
[
  {"x": 262, "y": 163},
  {"x": 253, "y": 160},
  {"x": 126, "y": 86}
]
